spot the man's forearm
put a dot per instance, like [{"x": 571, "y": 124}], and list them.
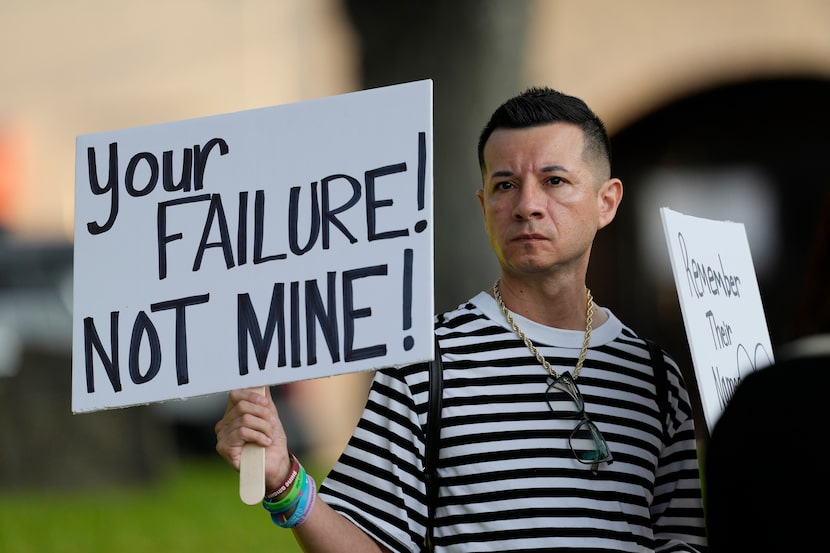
[{"x": 327, "y": 531}]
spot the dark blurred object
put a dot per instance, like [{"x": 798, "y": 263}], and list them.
[
  {"x": 35, "y": 297},
  {"x": 460, "y": 45},
  {"x": 764, "y": 471},
  {"x": 42, "y": 444}
]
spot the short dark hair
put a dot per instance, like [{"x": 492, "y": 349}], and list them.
[{"x": 541, "y": 106}]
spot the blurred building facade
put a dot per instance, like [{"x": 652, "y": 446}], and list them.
[{"x": 712, "y": 106}]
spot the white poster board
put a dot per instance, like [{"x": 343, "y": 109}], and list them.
[
  {"x": 253, "y": 248},
  {"x": 721, "y": 304}
]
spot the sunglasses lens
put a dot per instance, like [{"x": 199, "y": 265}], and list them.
[{"x": 588, "y": 444}]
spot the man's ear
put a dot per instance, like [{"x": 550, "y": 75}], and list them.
[
  {"x": 480, "y": 196},
  {"x": 608, "y": 200}
]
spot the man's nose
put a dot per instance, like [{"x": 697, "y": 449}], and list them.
[{"x": 529, "y": 202}]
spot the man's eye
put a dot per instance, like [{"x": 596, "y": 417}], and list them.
[
  {"x": 503, "y": 185},
  {"x": 555, "y": 181}
]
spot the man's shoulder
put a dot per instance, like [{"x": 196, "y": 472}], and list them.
[{"x": 464, "y": 313}]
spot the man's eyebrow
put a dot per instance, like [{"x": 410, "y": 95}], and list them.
[{"x": 546, "y": 169}]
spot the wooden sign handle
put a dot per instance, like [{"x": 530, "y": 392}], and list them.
[{"x": 252, "y": 470}]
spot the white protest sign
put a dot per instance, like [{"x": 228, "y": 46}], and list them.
[
  {"x": 253, "y": 248},
  {"x": 721, "y": 304}
]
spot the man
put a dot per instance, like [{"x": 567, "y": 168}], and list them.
[{"x": 552, "y": 433}]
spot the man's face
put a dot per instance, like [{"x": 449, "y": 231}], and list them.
[{"x": 541, "y": 200}]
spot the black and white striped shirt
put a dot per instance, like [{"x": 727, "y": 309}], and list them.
[{"x": 509, "y": 480}]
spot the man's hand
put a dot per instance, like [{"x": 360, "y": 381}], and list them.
[{"x": 252, "y": 417}]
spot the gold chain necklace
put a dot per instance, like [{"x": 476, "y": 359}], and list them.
[{"x": 589, "y": 319}]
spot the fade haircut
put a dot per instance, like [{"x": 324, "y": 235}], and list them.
[{"x": 542, "y": 106}]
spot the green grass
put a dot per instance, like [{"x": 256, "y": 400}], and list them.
[{"x": 196, "y": 507}]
